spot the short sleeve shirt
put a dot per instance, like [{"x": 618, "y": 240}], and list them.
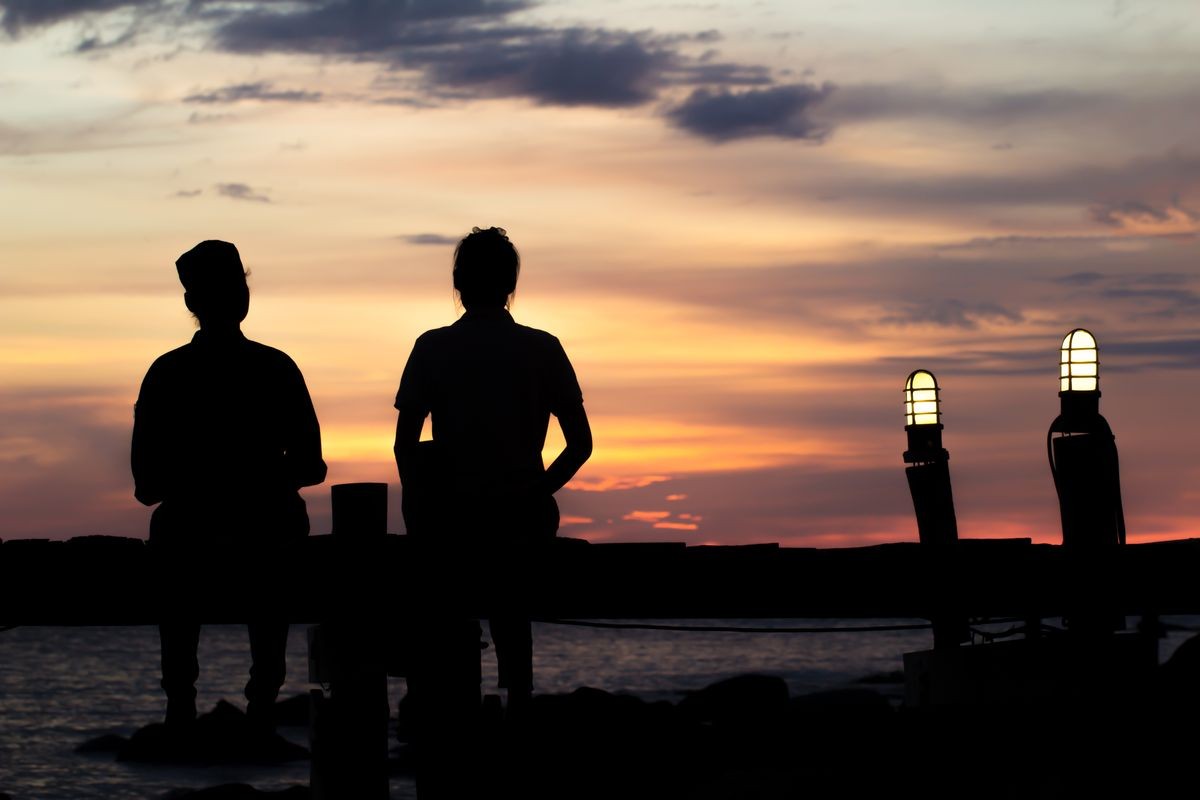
[
  {"x": 490, "y": 386},
  {"x": 224, "y": 435}
]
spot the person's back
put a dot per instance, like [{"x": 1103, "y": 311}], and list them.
[
  {"x": 224, "y": 436},
  {"x": 490, "y": 386}
]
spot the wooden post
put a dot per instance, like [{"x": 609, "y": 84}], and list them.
[{"x": 350, "y": 741}]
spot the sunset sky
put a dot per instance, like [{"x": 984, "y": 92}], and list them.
[{"x": 747, "y": 222}]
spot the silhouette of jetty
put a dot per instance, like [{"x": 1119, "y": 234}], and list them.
[
  {"x": 726, "y": 741},
  {"x": 106, "y": 580}
]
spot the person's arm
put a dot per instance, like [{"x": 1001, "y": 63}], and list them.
[
  {"x": 578, "y": 434},
  {"x": 146, "y": 458},
  {"x": 305, "y": 464},
  {"x": 408, "y": 434},
  {"x": 567, "y": 406},
  {"x": 412, "y": 406}
]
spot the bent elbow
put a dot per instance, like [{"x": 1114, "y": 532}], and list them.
[
  {"x": 312, "y": 474},
  {"x": 581, "y": 450}
]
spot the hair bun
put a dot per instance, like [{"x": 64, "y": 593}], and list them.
[{"x": 503, "y": 234}]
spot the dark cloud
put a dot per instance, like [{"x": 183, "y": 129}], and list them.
[
  {"x": 1159, "y": 353},
  {"x": 467, "y": 50},
  {"x": 1161, "y": 303},
  {"x": 1150, "y": 295},
  {"x": 952, "y": 313},
  {"x": 702, "y": 72},
  {"x": 863, "y": 102},
  {"x": 460, "y": 50},
  {"x": 975, "y": 361},
  {"x": 260, "y": 91},
  {"x": 1167, "y": 176},
  {"x": 240, "y": 191},
  {"x": 364, "y": 29},
  {"x": 429, "y": 239},
  {"x": 22, "y": 14},
  {"x": 781, "y": 111},
  {"x": 1130, "y": 213},
  {"x": 571, "y": 67}
]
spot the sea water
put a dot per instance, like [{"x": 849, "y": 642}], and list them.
[{"x": 61, "y": 686}]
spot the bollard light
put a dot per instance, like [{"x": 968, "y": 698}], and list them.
[
  {"x": 1083, "y": 451},
  {"x": 1083, "y": 462},
  {"x": 933, "y": 499},
  {"x": 1079, "y": 365},
  {"x": 923, "y": 418},
  {"x": 921, "y": 403}
]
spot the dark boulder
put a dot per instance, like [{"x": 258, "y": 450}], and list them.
[
  {"x": 223, "y": 736},
  {"x": 108, "y": 743},
  {"x": 738, "y": 702},
  {"x": 238, "y": 791}
]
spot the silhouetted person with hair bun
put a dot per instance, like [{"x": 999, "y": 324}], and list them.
[
  {"x": 490, "y": 386},
  {"x": 224, "y": 436}
]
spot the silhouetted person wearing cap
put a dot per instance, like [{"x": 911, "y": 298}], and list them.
[
  {"x": 490, "y": 386},
  {"x": 224, "y": 435}
]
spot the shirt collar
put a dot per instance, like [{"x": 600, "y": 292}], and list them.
[
  {"x": 206, "y": 338},
  {"x": 488, "y": 313}
]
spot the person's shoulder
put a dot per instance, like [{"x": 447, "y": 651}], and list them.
[
  {"x": 435, "y": 338},
  {"x": 538, "y": 335},
  {"x": 269, "y": 356},
  {"x": 435, "y": 334},
  {"x": 172, "y": 359}
]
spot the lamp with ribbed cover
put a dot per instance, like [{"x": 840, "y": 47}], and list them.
[{"x": 1083, "y": 462}]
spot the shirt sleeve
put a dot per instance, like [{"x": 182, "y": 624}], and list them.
[
  {"x": 564, "y": 390},
  {"x": 147, "y": 459},
  {"x": 413, "y": 396},
  {"x": 305, "y": 463}
]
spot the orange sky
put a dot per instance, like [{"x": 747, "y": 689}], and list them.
[{"x": 747, "y": 226}]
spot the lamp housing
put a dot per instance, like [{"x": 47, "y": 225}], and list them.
[{"x": 923, "y": 418}]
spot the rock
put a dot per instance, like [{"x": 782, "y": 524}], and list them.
[
  {"x": 108, "y": 743},
  {"x": 1178, "y": 686},
  {"x": 237, "y": 791},
  {"x": 842, "y": 700},
  {"x": 589, "y": 744},
  {"x": 878, "y": 678},
  {"x": 744, "y": 700},
  {"x": 222, "y": 736},
  {"x": 293, "y": 711}
]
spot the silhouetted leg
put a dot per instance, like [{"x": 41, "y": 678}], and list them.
[
  {"x": 180, "y": 669},
  {"x": 513, "y": 639},
  {"x": 268, "y": 651}
]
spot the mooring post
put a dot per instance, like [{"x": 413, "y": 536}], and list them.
[
  {"x": 933, "y": 501},
  {"x": 350, "y": 742}
]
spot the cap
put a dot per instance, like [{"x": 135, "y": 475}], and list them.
[{"x": 212, "y": 262}]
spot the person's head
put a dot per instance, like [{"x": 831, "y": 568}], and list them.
[
  {"x": 486, "y": 266},
  {"x": 214, "y": 283}
]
